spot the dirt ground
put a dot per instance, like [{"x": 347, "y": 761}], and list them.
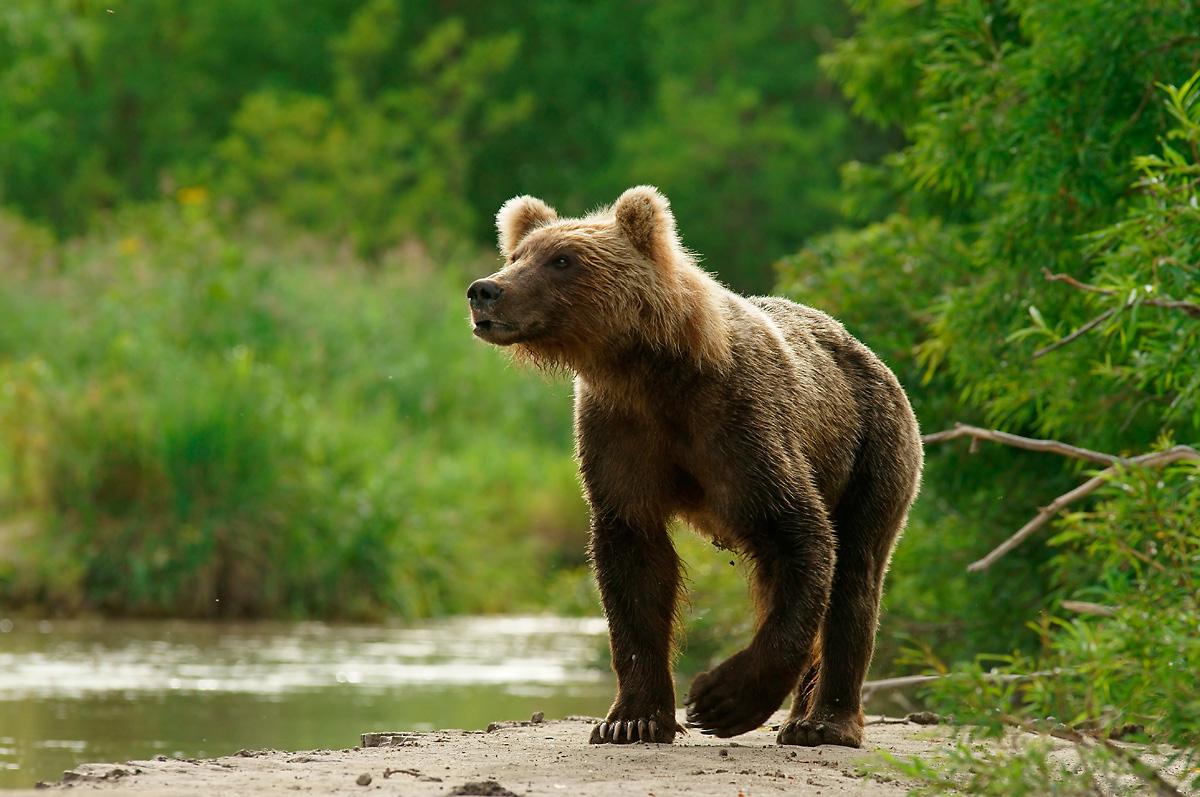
[{"x": 549, "y": 757}]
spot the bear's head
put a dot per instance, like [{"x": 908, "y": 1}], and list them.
[{"x": 574, "y": 291}]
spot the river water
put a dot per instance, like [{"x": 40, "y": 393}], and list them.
[{"x": 78, "y": 691}]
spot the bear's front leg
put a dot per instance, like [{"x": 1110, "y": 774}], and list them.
[
  {"x": 639, "y": 576},
  {"x": 793, "y": 572}
]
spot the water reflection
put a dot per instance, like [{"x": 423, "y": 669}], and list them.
[{"x": 74, "y": 692}]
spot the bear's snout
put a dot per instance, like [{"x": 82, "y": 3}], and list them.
[{"x": 483, "y": 294}]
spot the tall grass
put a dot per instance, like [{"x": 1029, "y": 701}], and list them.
[{"x": 199, "y": 422}]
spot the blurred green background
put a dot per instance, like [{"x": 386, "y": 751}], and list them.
[{"x": 236, "y": 378}]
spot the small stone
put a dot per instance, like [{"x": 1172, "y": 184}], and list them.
[
  {"x": 486, "y": 788},
  {"x": 364, "y": 779},
  {"x": 538, "y": 716}
]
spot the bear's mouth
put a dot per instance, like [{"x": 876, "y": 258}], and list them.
[
  {"x": 485, "y": 326},
  {"x": 493, "y": 331}
]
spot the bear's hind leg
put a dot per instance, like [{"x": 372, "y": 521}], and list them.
[
  {"x": 639, "y": 576},
  {"x": 793, "y": 565},
  {"x": 867, "y": 523},
  {"x": 830, "y": 709}
]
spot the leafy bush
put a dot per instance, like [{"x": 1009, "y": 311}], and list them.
[
  {"x": 194, "y": 425},
  {"x": 1124, "y": 669},
  {"x": 1025, "y": 284},
  {"x": 1134, "y": 559},
  {"x": 101, "y": 102},
  {"x": 1025, "y": 123}
]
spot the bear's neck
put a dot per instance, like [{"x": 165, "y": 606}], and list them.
[
  {"x": 687, "y": 334},
  {"x": 640, "y": 378}
]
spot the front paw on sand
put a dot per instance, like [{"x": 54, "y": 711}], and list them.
[{"x": 629, "y": 731}]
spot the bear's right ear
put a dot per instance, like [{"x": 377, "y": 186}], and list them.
[
  {"x": 517, "y": 217},
  {"x": 644, "y": 215}
]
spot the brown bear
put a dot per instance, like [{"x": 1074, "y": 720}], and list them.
[{"x": 760, "y": 422}]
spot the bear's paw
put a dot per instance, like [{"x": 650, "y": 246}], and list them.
[
  {"x": 630, "y": 731},
  {"x": 811, "y": 733}
]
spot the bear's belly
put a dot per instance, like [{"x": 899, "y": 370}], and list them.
[{"x": 707, "y": 523}]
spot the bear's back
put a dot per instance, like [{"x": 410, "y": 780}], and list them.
[
  {"x": 804, "y": 327},
  {"x": 863, "y": 402},
  {"x": 801, "y": 324}
]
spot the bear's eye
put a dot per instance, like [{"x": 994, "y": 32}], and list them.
[{"x": 560, "y": 261}]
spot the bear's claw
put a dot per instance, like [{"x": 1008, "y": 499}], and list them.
[{"x": 631, "y": 731}]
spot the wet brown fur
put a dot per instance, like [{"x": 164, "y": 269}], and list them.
[{"x": 760, "y": 422}]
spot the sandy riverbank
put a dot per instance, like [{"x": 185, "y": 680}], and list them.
[{"x": 527, "y": 758}]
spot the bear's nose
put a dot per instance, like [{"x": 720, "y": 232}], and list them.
[{"x": 484, "y": 294}]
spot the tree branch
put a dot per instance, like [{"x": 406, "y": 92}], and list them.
[
  {"x": 1082, "y": 330},
  {"x": 1190, "y": 308},
  {"x": 1087, "y": 607},
  {"x": 1074, "y": 283},
  {"x": 908, "y": 681},
  {"x": 1156, "y": 459},
  {"x": 1029, "y": 443},
  {"x": 902, "y": 682}
]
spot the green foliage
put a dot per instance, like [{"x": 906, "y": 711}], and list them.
[
  {"x": 1136, "y": 557},
  {"x": 190, "y": 427},
  {"x": 379, "y": 161},
  {"x": 1042, "y": 268},
  {"x": 1026, "y": 124},
  {"x": 384, "y": 120},
  {"x": 1137, "y": 668},
  {"x": 98, "y": 100},
  {"x": 742, "y": 132},
  {"x": 1026, "y": 120},
  {"x": 1146, "y": 271},
  {"x": 973, "y": 767}
]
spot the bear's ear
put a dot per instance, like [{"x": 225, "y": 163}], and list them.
[
  {"x": 644, "y": 216},
  {"x": 517, "y": 217}
]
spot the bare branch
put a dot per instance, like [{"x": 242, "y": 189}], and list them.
[
  {"x": 1039, "y": 520},
  {"x": 1157, "y": 459},
  {"x": 1087, "y": 607},
  {"x": 1082, "y": 330},
  {"x": 906, "y": 681},
  {"x": 903, "y": 682},
  {"x": 1074, "y": 283},
  {"x": 1190, "y": 308},
  {"x": 1029, "y": 443}
]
